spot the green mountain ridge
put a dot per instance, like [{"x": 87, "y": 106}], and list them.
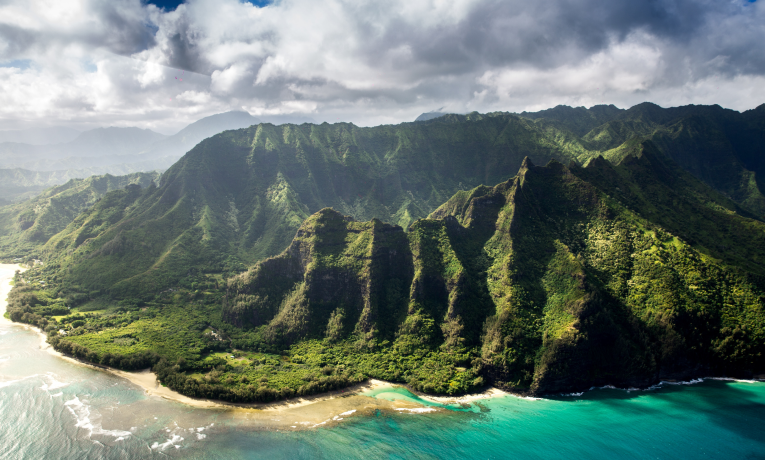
[
  {"x": 240, "y": 196},
  {"x": 551, "y": 307},
  {"x": 633, "y": 263},
  {"x": 26, "y": 225}
]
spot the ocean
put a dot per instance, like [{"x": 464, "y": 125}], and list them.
[{"x": 54, "y": 408}]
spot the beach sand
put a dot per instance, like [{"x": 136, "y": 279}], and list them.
[{"x": 296, "y": 413}]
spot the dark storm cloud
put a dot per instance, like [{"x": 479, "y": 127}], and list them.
[
  {"x": 548, "y": 34},
  {"x": 114, "y": 26}
]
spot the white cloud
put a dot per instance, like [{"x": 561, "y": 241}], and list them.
[{"x": 368, "y": 61}]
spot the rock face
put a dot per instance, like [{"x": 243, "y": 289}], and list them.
[
  {"x": 337, "y": 277},
  {"x": 555, "y": 283}
]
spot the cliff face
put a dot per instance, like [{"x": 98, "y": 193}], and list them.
[
  {"x": 337, "y": 277},
  {"x": 554, "y": 283}
]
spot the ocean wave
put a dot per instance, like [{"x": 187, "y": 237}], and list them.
[
  {"x": 661, "y": 384},
  {"x": 82, "y": 414},
  {"x": 730, "y": 379},
  {"x": 417, "y": 410},
  {"x": 54, "y": 384},
  {"x": 172, "y": 441},
  {"x": 345, "y": 414},
  {"x": 11, "y": 382},
  {"x": 684, "y": 382},
  {"x": 527, "y": 398}
]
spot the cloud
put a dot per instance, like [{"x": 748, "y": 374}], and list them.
[{"x": 368, "y": 61}]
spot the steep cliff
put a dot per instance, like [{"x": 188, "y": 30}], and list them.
[{"x": 556, "y": 284}]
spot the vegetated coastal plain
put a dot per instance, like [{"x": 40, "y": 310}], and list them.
[{"x": 297, "y": 413}]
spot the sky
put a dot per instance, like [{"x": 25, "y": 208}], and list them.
[{"x": 164, "y": 64}]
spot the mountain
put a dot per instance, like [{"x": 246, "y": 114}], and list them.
[
  {"x": 21, "y": 184},
  {"x": 116, "y": 151},
  {"x": 29, "y": 224},
  {"x": 721, "y": 147},
  {"x": 39, "y": 136},
  {"x": 620, "y": 264},
  {"x": 561, "y": 286},
  {"x": 544, "y": 283},
  {"x": 239, "y": 196},
  {"x": 430, "y": 115},
  {"x": 176, "y": 145},
  {"x": 578, "y": 120}
]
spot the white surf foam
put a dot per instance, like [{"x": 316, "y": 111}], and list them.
[
  {"x": 688, "y": 382},
  {"x": 344, "y": 414},
  {"x": 417, "y": 410},
  {"x": 172, "y": 441},
  {"x": 82, "y": 415},
  {"x": 9, "y": 383},
  {"x": 54, "y": 384},
  {"x": 729, "y": 379}
]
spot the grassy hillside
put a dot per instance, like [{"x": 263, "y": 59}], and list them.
[
  {"x": 239, "y": 197},
  {"x": 26, "y": 226}
]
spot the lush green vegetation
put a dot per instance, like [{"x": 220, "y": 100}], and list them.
[
  {"x": 563, "y": 277},
  {"x": 240, "y": 196},
  {"x": 26, "y": 226}
]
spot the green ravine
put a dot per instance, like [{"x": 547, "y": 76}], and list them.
[{"x": 628, "y": 263}]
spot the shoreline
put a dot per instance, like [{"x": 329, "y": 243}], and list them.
[{"x": 147, "y": 381}]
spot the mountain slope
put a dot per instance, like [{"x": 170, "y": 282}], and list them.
[
  {"x": 558, "y": 279},
  {"x": 241, "y": 195},
  {"x": 578, "y": 120},
  {"x": 558, "y": 285},
  {"x": 26, "y": 226}
]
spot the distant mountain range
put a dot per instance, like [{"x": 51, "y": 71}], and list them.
[
  {"x": 430, "y": 115},
  {"x": 39, "y": 136},
  {"x": 115, "y": 151}
]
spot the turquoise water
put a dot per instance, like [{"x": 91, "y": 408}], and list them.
[
  {"x": 713, "y": 419},
  {"x": 51, "y": 408}
]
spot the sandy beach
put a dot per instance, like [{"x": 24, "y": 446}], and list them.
[{"x": 303, "y": 412}]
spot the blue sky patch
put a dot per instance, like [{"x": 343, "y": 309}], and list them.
[
  {"x": 22, "y": 64},
  {"x": 167, "y": 5},
  {"x": 171, "y": 5}
]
